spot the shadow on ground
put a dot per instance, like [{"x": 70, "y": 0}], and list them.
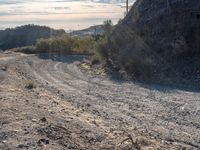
[{"x": 120, "y": 79}]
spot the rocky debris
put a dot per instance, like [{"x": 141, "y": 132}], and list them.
[{"x": 4, "y": 68}]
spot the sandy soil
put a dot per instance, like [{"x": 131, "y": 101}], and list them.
[{"x": 69, "y": 107}]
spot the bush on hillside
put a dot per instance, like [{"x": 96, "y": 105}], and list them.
[
  {"x": 108, "y": 26},
  {"x": 101, "y": 51},
  {"x": 139, "y": 67},
  {"x": 66, "y": 44},
  {"x": 139, "y": 63},
  {"x": 102, "y": 45},
  {"x": 25, "y": 49}
]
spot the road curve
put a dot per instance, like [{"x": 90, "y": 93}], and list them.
[{"x": 164, "y": 113}]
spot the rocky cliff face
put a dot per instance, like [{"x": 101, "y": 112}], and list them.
[
  {"x": 158, "y": 30},
  {"x": 167, "y": 25}
]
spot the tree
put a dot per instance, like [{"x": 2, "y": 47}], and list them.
[{"x": 108, "y": 26}]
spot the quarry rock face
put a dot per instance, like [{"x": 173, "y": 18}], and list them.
[{"x": 161, "y": 29}]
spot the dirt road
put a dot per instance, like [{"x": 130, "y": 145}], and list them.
[{"x": 71, "y": 108}]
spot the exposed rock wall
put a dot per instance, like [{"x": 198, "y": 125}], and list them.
[{"x": 161, "y": 29}]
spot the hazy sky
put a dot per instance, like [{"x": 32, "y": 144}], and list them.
[{"x": 66, "y": 14}]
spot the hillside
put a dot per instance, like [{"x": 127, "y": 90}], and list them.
[
  {"x": 25, "y": 35},
  {"x": 158, "y": 40}
]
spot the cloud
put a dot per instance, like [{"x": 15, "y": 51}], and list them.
[
  {"x": 60, "y": 8},
  {"x": 59, "y": 13},
  {"x": 9, "y": 2}
]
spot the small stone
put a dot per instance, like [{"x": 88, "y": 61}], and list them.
[
  {"x": 27, "y": 132},
  {"x": 43, "y": 141},
  {"x": 55, "y": 102},
  {"x": 4, "y": 68},
  {"x": 34, "y": 120},
  {"x": 4, "y": 141},
  {"x": 21, "y": 146},
  {"x": 43, "y": 119},
  {"x": 88, "y": 105}
]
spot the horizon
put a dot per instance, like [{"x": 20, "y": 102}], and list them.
[{"x": 62, "y": 14}]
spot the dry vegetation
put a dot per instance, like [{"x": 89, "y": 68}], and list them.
[{"x": 66, "y": 44}]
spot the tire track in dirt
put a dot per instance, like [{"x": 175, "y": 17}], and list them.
[{"x": 167, "y": 113}]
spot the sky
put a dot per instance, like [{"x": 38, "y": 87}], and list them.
[{"x": 60, "y": 14}]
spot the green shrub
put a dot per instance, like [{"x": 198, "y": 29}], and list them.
[
  {"x": 108, "y": 26},
  {"x": 102, "y": 48},
  {"x": 138, "y": 65},
  {"x": 66, "y": 44},
  {"x": 25, "y": 49}
]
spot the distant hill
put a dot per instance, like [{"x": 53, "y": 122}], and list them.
[
  {"x": 93, "y": 30},
  {"x": 25, "y": 35}
]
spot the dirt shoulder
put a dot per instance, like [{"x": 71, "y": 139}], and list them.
[
  {"x": 38, "y": 119},
  {"x": 66, "y": 109}
]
